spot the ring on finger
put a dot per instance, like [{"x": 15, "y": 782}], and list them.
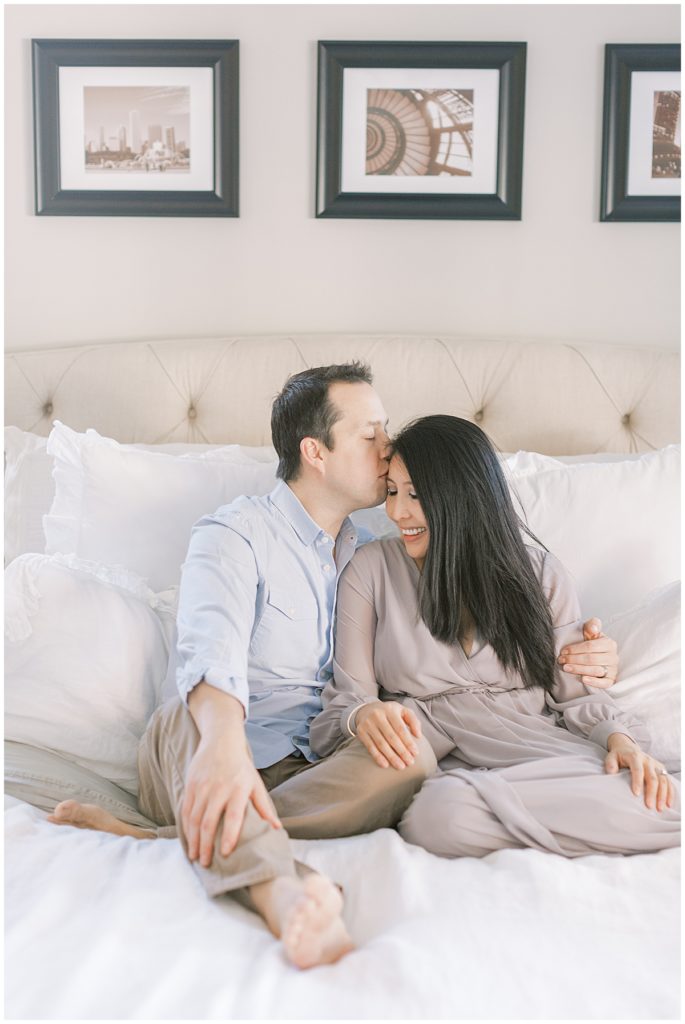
[{"x": 605, "y": 671}]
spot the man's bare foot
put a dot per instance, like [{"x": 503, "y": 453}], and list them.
[
  {"x": 306, "y": 914},
  {"x": 70, "y": 812}
]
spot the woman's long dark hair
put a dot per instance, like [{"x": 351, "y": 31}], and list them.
[{"x": 476, "y": 557}]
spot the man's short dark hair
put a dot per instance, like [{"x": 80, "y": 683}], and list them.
[{"x": 303, "y": 409}]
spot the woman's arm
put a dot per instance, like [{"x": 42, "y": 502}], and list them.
[
  {"x": 351, "y": 705},
  {"x": 592, "y": 713},
  {"x": 354, "y": 680}
]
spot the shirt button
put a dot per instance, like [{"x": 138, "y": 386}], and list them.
[{"x": 327, "y": 568}]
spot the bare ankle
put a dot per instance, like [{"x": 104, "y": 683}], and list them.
[{"x": 263, "y": 895}]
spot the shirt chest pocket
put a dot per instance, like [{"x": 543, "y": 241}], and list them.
[
  {"x": 288, "y": 628},
  {"x": 295, "y": 604}
]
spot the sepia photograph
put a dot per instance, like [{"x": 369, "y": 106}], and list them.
[
  {"x": 419, "y": 132},
  {"x": 641, "y": 133},
  {"x": 136, "y": 127},
  {"x": 398, "y": 134},
  {"x": 130, "y": 128},
  {"x": 666, "y": 135}
]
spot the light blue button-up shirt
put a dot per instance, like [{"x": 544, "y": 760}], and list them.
[{"x": 256, "y": 612}]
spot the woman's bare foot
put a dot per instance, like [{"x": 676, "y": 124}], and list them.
[
  {"x": 70, "y": 812},
  {"x": 306, "y": 914}
]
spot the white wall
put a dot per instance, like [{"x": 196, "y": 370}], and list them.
[{"x": 557, "y": 273}]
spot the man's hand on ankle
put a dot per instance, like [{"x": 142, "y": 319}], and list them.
[{"x": 222, "y": 777}]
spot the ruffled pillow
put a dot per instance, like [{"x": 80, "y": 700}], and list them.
[{"x": 86, "y": 655}]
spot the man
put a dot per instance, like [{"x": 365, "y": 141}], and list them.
[{"x": 255, "y": 634}]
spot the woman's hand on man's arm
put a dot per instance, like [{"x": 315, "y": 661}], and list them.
[{"x": 387, "y": 728}]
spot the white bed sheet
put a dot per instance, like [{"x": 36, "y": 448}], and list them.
[{"x": 104, "y": 927}]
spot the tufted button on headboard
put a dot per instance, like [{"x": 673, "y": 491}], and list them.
[{"x": 553, "y": 397}]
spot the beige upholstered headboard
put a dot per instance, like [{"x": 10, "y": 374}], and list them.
[{"x": 552, "y": 397}]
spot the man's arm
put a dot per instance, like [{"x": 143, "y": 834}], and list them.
[
  {"x": 222, "y": 777},
  {"x": 595, "y": 659},
  {"x": 215, "y": 619}
]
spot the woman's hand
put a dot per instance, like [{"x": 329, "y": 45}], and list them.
[
  {"x": 386, "y": 729},
  {"x": 646, "y": 773}
]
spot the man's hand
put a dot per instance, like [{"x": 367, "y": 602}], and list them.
[
  {"x": 221, "y": 778},
  {"x": 646, "y": 774},
  {"x": 386, "y": 729},
  {"x": 595, "y": 660},
  {"x": 220, "y": 781}
]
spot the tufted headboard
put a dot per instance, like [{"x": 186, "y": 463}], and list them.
[{"x": 553, "y": 397}]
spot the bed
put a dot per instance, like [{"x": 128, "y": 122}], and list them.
[{"x": 105, "y": 927}]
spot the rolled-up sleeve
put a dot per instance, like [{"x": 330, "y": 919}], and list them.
[
  {"x": 583, "y": 710},
  {"x": 354, "y": 681},
  {"x": 216, "y": 609}
]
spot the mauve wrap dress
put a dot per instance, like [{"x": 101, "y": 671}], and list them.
[{"x": 517, "y": 768}]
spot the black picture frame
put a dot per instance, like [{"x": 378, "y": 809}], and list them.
[
  {"x": 620, "y": 61},
  {"x": 221, "y": 55},
  {"x": 504, "y": 203}
]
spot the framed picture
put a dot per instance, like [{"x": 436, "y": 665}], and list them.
[
  {"x": 641, "y": 143},
  {"x": 136, "y": 128},
  {"x": 422, "y": 130}
]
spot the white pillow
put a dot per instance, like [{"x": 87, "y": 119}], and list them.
[
  {"x": 522, "y": 462},
  {"x": 648, "y": 638},
  {"x": 30, "y": 488},
  {"x": 86, "y": 654},
  {"x": 123, "y": 506},
  {"x": 615, "y": 526}
]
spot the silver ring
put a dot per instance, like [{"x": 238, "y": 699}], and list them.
[{"x": 662, "y": 771}]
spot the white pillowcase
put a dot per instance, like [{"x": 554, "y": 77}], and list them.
[
  {"x": 615, "y": 526},
  {"x": 133, "y": 508},
  {"x": 30, "y": 488},
  {"x": 648, "y": 638},
  {"x": 86, "y": 655}
]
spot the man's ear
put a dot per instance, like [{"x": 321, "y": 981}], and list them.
[{"x": 311, "y": 453}]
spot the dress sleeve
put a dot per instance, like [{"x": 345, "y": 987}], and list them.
[
  {"x": 216, "y": 611},
  {"x": 354, "y": 681},
  {"x": 581, "y": 709}
]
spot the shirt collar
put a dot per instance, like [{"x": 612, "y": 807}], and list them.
[{"x": 302, "y": 523}]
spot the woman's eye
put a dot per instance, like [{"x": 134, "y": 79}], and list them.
[
  {"x": 391, "y": 494},
  {"x": 414, "y": 496}
]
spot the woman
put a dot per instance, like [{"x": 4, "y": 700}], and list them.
[{"x": 452, "y": 630}]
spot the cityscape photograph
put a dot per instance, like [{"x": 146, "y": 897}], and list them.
[
  {"x": 130, "y": 128},
  {"x": 666, "y": 135}
]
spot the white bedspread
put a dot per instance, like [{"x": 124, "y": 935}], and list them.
[{"x": 104, "y": 927}]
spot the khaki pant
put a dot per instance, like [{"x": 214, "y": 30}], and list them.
[{"x": 344, "y": 795}]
